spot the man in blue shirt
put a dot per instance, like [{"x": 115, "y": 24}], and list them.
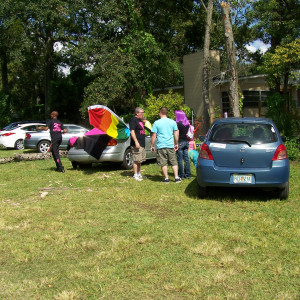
[{"x": 166, "y": 132}]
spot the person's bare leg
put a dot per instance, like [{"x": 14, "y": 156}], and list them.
[
  {"x": 135, "y": 168},
  {"x": 175, "y": 171},
  {"x": 165, "y": 171}
]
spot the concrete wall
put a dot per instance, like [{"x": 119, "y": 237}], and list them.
[{"x": 193, "y": 91}]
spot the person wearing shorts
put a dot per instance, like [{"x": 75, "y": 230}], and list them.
[
  {"x": 137, "y": 143},
  {"x": 166, "y": 132}
]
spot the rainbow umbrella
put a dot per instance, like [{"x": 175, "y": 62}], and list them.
[{"x": 103, "y": 118}]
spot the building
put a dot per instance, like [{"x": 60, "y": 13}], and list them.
[{"x": 254, "y": 88}]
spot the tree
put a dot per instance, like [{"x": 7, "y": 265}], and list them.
[
  {"x": 208, "y": 114},
  {"x": 275, "y": 22},
  {"x": 231, "y": 60},
  {"x": 128, "y": 62},
  {"x": 280, "y": 64}
]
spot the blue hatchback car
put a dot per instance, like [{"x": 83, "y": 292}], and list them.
[{"x": 243, "y": 152}]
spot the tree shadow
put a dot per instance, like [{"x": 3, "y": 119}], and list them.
[{"x": 231, "y": 194}]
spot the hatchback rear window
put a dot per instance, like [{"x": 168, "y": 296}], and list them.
[{"x": 251, "y": 133}]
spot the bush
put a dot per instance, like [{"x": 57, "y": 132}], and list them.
[
  {"x": 286, "y": 123},
  {"x": 172, "y": 101},
  {"x": 292, "y": 146}
]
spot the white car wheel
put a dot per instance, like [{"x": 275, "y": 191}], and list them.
[{"x": 19, "y": 144}]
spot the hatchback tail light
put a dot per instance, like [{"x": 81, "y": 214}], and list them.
[
  {"x": 112, "y": 142},
  {"x": 205, "y": 152},
  {"x": 280, "y": 153},
  {"x": 7, "y": 134},
  {"x": 28, "y": 136}
]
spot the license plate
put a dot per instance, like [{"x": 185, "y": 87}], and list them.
[{"x": 242, "y": 178}]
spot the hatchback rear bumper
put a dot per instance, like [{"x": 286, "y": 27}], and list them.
[{"x": 208, "y": 174}]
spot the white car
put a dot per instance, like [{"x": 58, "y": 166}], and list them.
[
  {"x": 13, "y": 136},
  {"x": 41, "y": 140}
]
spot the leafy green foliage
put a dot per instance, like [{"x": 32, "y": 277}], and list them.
[
  {"x": 284, "y": 120},
  {"x": 292, "y": 145},
  {"x": 172, "y": 101},
  {"x": 123, "y": 76},
  {"x": 282, "y": 61},
  {"x": 5, "y": 110},
  {"x": 275, "y": 21}
]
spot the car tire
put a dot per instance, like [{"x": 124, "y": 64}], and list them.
[
  {"x": 19, "y": 144},
  {"x": 283, "y": 193},
  {"x": 85, "y": 166},
  {"x": 202, "y": 191},
  {"x": 74, "y": 164},
  {"x": 43, "y": 146},
  {"x": 127, "y": 160}
]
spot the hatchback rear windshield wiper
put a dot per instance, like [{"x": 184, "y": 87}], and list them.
[{"x": 238, "y": 142}]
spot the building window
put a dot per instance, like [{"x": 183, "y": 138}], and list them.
[
  {"x": 255, "y": 98},
  {"x": 252, "y": 99},
  {"x": 225, "y": 102}
]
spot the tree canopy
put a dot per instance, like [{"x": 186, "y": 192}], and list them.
[{"x": 118, "y": 51}]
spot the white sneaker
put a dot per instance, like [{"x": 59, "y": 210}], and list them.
[
  {"x": 137, "y": 178},
  {"x": 141, "y": 176}
]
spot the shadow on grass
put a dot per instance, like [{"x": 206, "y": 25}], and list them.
[
  {"x": 96, "y": 167},
  {"x": 233, "y": 194}
]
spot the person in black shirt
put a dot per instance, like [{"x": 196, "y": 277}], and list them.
[
  {"x": 137, "y": 143},
  {"x": 183, "y": 125},
  {"x": 56, "y": 128}
]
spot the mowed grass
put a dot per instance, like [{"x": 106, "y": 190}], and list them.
[{"x": 98, "y": 234}]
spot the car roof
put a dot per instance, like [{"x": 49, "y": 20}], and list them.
[
  {"x": 243, "y": 120},
  {"x": 31, "y": 123}
]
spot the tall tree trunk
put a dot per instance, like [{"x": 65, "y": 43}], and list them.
[
  {"x": 231, "y": 60},
  {"x": 4, "y": 71},
  {"x": 48, "y": 72},
  {"x": 207, "y": 115}
]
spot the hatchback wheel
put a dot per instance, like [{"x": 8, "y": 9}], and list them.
[
  {"x": 202, "y": 191},
  {"x": 283, "y": 193},
  {"x": 19, "y": 144},
  {"x": 44, "y": 146},
  {"x": 127, "y": 160}
]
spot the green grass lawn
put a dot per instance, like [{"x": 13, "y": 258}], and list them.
[{"x": 99, "y": 234}]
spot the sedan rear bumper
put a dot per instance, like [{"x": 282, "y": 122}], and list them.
[{"x": 108, "y": 155}]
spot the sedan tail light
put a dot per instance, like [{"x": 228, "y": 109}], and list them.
[
  {"x": 280, "y": 153},
  {"x": 112, "y": 142},
  {"x": 7, "y": 134},
  {"x": 28, "y": 136},
  {"x": 205, "y": 152}
]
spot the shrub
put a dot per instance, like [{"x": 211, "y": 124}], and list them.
[
  {"x": 172, "y": 101},
  {"x": 292, "y": 146},
  {"x": 286, "y": 123}
]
